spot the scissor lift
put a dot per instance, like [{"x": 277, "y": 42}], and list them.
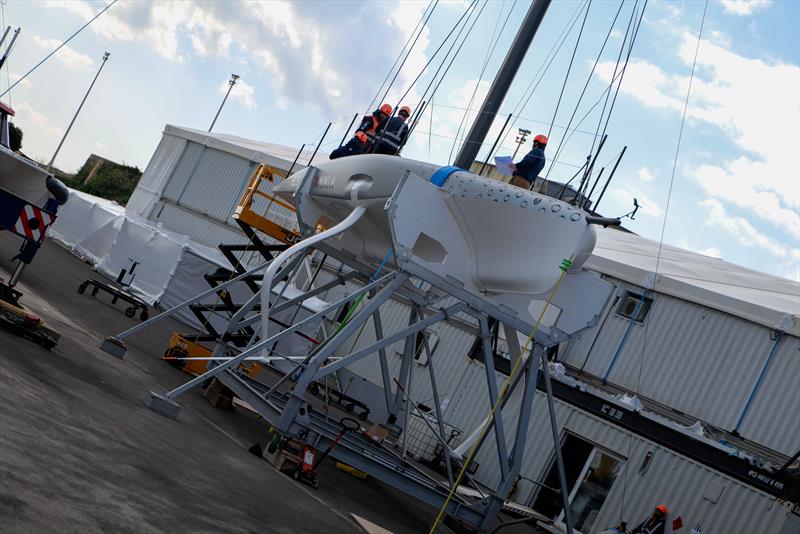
[{"x": 269, "y": 225}]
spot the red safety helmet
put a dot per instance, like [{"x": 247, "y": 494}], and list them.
[
  {"x": 541, "y": 139},
  {"x": 406, "y": 110},
  {"x": 662, "y": 509},
  {"x": 385, "y": 108}
]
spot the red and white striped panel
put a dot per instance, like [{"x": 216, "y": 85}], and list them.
[{"x": 33, "y": 223}]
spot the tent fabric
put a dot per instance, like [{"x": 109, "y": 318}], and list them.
[
  {"x": 758, "y": 297},
  {"x": 279, "y": 156},
  {"x": 156, "y": 174},
  {"x": 170, "y": 265},
  {"x": 87, "y": 225}
]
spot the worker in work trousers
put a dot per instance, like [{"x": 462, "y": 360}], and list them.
[
  {"x": 654, "y": 524},
  {"x": 362, "y": 141},
  {"x": 391, "y": 134},
  {"x": 527, "y": 170}
]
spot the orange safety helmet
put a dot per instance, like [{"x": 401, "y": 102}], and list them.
[
  {"x": 406, "y": 110},
  {"x": 541, "y": 139},
  {"x": 663, "y": 509},
  {"x": 385, "y": 108}
]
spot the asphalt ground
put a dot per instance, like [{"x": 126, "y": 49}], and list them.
[{"x": 80, "y": 451}]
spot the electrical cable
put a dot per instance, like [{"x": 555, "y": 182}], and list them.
[
  {"x": 59, "y": 47},
  {"x": 663, "y": 231}
]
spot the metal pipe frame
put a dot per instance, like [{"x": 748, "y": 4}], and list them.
[{"x": 255, "y": 348}]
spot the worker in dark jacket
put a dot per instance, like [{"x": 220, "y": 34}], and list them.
[
  {"x": 391, "y": 134},
  {"x": 362, "y": 141},
  {"x": 654, "y": 524},
  {"x": 527, "y": 170}
]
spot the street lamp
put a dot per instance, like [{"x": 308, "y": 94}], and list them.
[
  {"x": 521, "y": 137},
  {"x": 53, "y": 159},
  {"x": 231, "y": 83}
]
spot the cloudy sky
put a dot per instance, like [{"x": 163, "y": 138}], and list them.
[{"x": 736, "y": 189}]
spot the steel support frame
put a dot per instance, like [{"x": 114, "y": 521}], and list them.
[
  {"x": 261, "y": 345},
  {"x": 510, "y": 461},
  {"x": 288, "y": 418}
]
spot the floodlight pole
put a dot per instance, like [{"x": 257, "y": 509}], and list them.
[
  {"x": 77, "y": 111},
  {"x": 231, "y": 83}
]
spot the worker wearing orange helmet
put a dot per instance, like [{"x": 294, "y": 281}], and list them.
[
  {"x": 528, "y": 169},
  {"x": 391, "y": 134},
  {"x": 364, "y": 138},
  {"x": 655, "y": 524}
]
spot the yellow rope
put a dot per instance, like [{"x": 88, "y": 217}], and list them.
[{"x": 526, "y": 347}]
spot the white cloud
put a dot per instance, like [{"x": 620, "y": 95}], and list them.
[
  {"x": 243, "y": 92},
  {"x": 714, "y": 252},
  {"x": 14, "y": 76},
  {"x": 744, "y": 7},
  {"x": 744, "y": 232},
  {"x": 68, "y": 56},
  {"x": 646, "y": 175},
  {"x": 313, "y": 57},
  {"x": 647, "y": 206},
  {"x": 763, "y": 178}
]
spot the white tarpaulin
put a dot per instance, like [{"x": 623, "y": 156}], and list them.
[
  {"x": 758, "y": 297},
  {"x": 151, "y": 184},
  {"x": 87, "y": 225}
]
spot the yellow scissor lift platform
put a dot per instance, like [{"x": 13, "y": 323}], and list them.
[{"x": 257, "y": 211}]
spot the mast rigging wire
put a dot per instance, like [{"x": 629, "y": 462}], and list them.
[
  {"x": 663, "y": 231},
  {"x": 586, "y": 85},
  {"x": 492, "y": 45},
  {"x": 543, "y": 68},
  {"x": 569, "y": 69},
  {"x": 59, "y": 47},
  {"x": 421, "y": 26},
  {"x": 458, "y": 50}
]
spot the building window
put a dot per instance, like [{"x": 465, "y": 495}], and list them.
[{"x": 634, "y": 306}]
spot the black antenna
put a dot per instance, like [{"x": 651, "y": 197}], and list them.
[
  {"x": 10, "y": 45},
  {"x": 499, "y": 136},
  {"x": 589, "y": 169},
  {"x": 596, "y": 181},
  {"x": 610, "y": 176},
  {"x": 347, "y": 131}
]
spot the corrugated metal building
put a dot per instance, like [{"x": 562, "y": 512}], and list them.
[
  {"x": 195, "y": 179},
  {"x": 708, "y": 341},
  {"x": 711, "y": 342}
]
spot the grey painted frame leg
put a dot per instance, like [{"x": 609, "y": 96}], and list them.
[
  {"x": 562, "y": 477},
  {"x": 404, "y": 368},
  {"x": 438, "y": 408},
  {"x": 491, "y": 380},
  {"x": 387, "y": 381},
  {"x": 212, "y": 372},
  {"x": 297, "y": 398}
]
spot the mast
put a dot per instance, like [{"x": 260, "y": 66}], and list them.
[{"x": 501, "y": 83}]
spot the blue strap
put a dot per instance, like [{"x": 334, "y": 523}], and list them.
[{"x": 441, "y": 176}]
